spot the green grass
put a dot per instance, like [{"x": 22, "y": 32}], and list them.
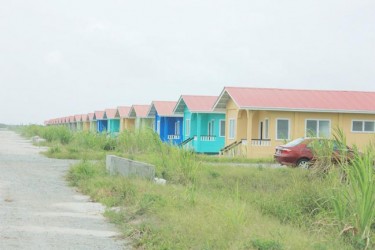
[
  {"x": 225, "y": 159},
  {"x": 225, "y": 208},
  {"x": 220, "y": 206}
]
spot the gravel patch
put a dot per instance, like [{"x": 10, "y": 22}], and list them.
[{"x": 38, "y": 210}]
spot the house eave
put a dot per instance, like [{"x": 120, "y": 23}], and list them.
[{"x": 310, "y": 110}]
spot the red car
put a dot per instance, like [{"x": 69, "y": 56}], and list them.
[{"x": 299, "y": 152}]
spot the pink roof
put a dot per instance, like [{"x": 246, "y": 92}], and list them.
[
  {"x": 298, "y": 100},
  {"x": 99, "y": 115},
  {"x": 200, "y": 104},
  {"x": 110, "y": 113},
  {"x": 123, "y": 111},
  {"x": 71, "y": 119},
  {"x": 140, "y": 111},
  {"x": 91, "y": 116},
  {"x": 78, "y": 118},
  {"x": 85, "y": 117},
  {"x": 162, "y": 108}
]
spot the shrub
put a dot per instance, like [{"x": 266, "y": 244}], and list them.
[{"x": 83, "y": 171}]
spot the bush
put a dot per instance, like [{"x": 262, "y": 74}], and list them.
[{"x": 84, "y": 171}]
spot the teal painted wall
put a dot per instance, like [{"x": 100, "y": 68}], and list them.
[
  {"x": 113, "y": 126},
  {"x": 203, "y": 143}
]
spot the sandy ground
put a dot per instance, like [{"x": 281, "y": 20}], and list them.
[{"x": 38, "y": 210}]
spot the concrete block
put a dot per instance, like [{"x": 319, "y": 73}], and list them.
[
  {"x": 160, "y": 181},
  {"x": 37, "y": 139},
  {"x": 122, "y": 166}
]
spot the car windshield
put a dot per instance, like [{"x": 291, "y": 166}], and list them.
[{"x": 294, "y": 142}]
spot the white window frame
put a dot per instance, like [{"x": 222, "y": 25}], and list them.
[
  {"x": 158, "y": 127},
  {"x": 232, "y": 134},
  {"x": 266, "y": 128},
  {"x": 187, "y": 128},
  {"x": 317, "y": 128},
  {"x": 220, "y": 127},
  {"x": 363, "y": 127},
  {"x": 211, "y": 128},
  {"x": 289, "y": 125},
  {"x": 177, "y": 128}
]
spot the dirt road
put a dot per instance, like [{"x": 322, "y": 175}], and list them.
[{"x": 37, "y": 208}]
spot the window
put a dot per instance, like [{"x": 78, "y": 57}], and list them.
[
  {"x": 363, "y": 126},
  {"x": 177, "y": 128},
  {"x": 282, "y": 129},
  {"x": 232, "y": 124},
  {"x": 318, "y": 128},
  {"x": 211, "y": 128},
  {"x": 266, "y": 129},
  {"x": 222, "y": 128},
  {"x": 357, "y": 126},
  {"x": 158, "y": 127},
  {"x": 369, "y": 126},
  {"x": 187, "y": 129}
]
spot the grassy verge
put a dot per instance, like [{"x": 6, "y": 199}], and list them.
[
  {"x": 225, "y": 208},
  {"x": 208, "y": 206}
]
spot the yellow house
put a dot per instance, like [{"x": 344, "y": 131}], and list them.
[
  {"x": 126, "y": 123},
  {"x": 92, "y": 121},
  {"x": 259, "y": 119},
  {"x": 85, "y": 122},
  {"x": 139, "y": 114}
]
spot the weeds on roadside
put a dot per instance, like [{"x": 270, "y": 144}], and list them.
[
  {"x": 353, "y": 191},
  {"x": 354, "y": 200},
  {"x": 209, "y": 206}
]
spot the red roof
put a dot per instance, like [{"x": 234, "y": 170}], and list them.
[
  {"x": 139, "y": 111},
  {"x": 202, "y": 104},
  {"x": 162, "y": 108},
  {"x": 99, "y": 115},
  {"x": 110, "y": 113},
  {"x": 91, "y": 116},
  {"x": 71, "y": 119},
  {"x": 298, "y": 100},
  {"x": 123, "y": 111}
]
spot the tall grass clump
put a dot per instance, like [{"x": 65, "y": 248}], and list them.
[
  {"x": 59, "y": 134},
  {"x": 31, "y": 130},
  {"x": 84, "y": 170},
  {"x": 139, "y": 141},
  {"x": 175, "y": 164},
  {"x": 95, "y": 141},
  {"x": 178, "y": 165},
  {"x": 354, "y": 200},
  {"x": 331, "y": 154}
]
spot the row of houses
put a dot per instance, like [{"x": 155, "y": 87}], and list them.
[{"x": 241, "y": 121}]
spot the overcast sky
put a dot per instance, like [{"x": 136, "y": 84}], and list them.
[{"x": 66, "y": 57}]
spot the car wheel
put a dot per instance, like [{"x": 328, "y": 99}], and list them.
[{"x": 303, "y": 163}]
